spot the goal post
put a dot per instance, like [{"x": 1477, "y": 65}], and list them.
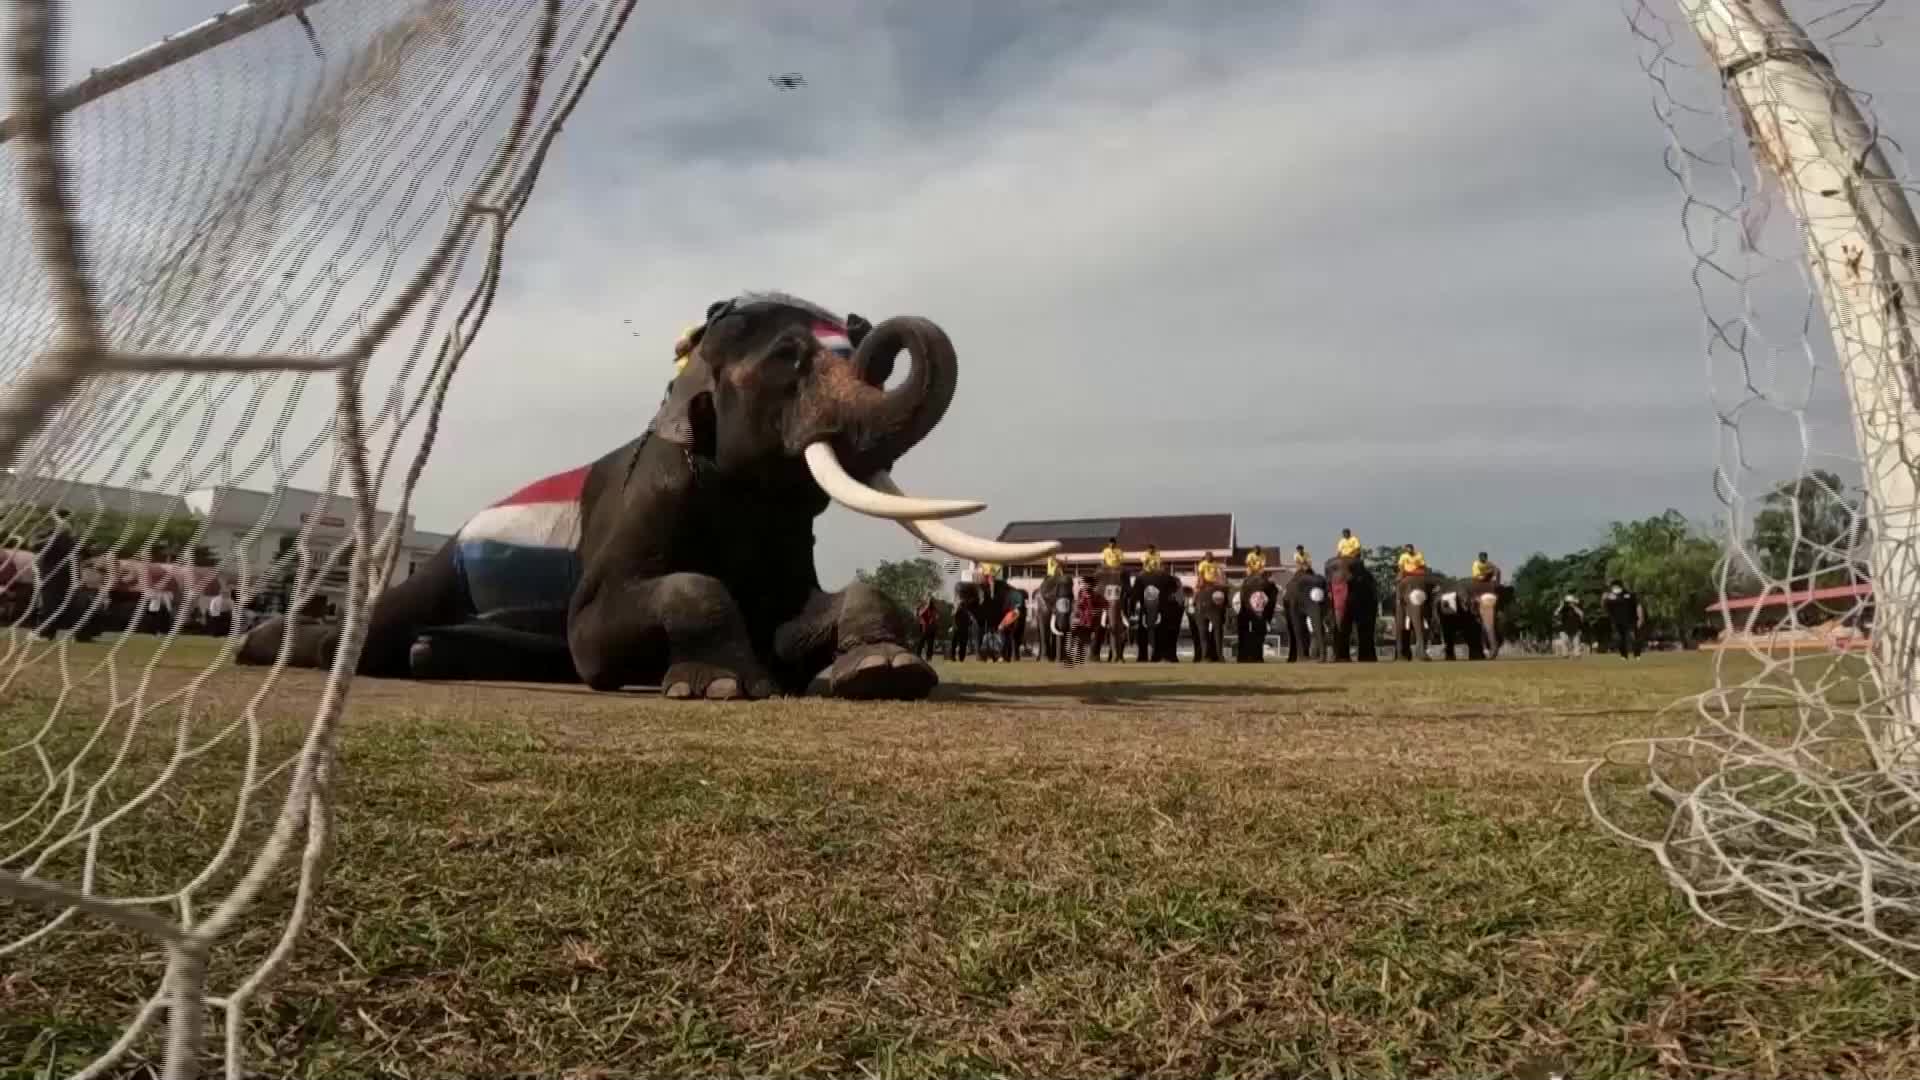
[
  {"x": 1862, "y": 247},
  {"x": 1787, "y": 799},
  {"x": 1863, "y": 254}
]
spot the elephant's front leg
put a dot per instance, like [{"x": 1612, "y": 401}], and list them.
[
  {"x": 683, "y": 630},
  {"x": 859, "y": 635}
]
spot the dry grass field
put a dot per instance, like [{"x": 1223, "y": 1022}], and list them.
[{"x": 1137, "y": 871}]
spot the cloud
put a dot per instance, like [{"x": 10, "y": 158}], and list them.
[{"x": 1417, "y": 271}]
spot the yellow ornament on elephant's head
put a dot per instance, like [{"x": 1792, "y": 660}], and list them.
[
  {"x": 683, "y": 349},
  {"x": 989, "y": 570},
  {"x": 1053, "y": 566}
]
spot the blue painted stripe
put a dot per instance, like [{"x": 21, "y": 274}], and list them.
[{"x": 498, "y": 576}]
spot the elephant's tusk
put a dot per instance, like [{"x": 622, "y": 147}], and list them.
[
  {"x": 854, "y": 495},
  {"x": 965, "y": 545}
]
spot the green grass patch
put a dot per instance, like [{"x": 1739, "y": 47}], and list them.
[{"x": 1142, "y": 871}]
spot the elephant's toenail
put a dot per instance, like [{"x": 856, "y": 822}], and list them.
[
  {"x": 680, "y": 690},
  {"x": 723, "y": 689},
  {"x": 905, "y": 659},
  {"x": 869, "y": 662}
]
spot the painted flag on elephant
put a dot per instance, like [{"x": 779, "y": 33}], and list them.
[
  {"x": 519, "y": 552},
  {"x": 833, "y": 338}
]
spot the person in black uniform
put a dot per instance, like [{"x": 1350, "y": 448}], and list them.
[
  {"x": 1627, "y": 616},
  {"x": 57, "y": 563}
]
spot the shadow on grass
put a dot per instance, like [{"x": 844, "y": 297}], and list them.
[
  {"x": 1101, "y": 692},
  {"x": 1093, "y": 691}
]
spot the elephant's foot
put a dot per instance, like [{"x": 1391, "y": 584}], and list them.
[
  {"x": 880, "y": 672},
  {"x": 313, "y": 643},
  {"x": 691, "y": 679},
  {"x": 426, "y": 663}
]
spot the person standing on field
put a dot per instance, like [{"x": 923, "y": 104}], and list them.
[
  {"x": 1625, "y": 612},
  {"x": 1571, "y": 622},
  {"x": 929, "y": 619}
]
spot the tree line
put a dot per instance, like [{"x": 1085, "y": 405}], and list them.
[{"x": 1810, "y": 532}]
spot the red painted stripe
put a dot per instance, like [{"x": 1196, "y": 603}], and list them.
[
  {"x": 560, "y": 487},
  {"x": 1835, "y": 592}
]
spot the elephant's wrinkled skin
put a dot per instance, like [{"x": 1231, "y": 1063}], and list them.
[
  {"x": 684, "y": 559},
  {"x": 1413, "y": 596},
  {"x": 1453, "y": 610},
  {"x": 1209, "y": 611},
  {"x": 1156, "y": 599},
  {"x": 1469, "y": 613},
  {"x": 1490, "y": 599},
  {"x": 1259, "y": 601},
  {"x": 1306, "y": 616},
  {"x": 1056, "y": 603},
  {"x": 1112, "y": 587},
  {"x": 1353, "y": 600}
]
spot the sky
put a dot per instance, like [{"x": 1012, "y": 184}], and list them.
[{"x": 1413, "y": 269}]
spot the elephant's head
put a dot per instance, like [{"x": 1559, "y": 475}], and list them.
[
  {"x": 772, "y": 381},
  {"x": 1345, "y": 574},
  {"x": 1416, "y": 593}
]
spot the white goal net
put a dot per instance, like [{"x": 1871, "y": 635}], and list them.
[
  {"x": 1787, "y": 795},
  {"x": 237, "y": 272}
]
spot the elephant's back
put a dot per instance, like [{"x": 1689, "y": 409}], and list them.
[{"x": 522, "y": 552}]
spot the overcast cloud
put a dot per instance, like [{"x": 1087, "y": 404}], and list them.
[{"x": 1413, "y": 269}]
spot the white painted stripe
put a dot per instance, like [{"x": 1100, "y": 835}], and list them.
[{"x": 542, "y": 525}]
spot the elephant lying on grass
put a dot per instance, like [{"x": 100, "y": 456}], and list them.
[{"x": 684, "y": 559}]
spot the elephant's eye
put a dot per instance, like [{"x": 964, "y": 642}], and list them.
[{"x": 792, "y": 354}]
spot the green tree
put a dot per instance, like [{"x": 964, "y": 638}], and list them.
[
  {"x": 909, "y": 582},
  {"x": 1542, "y": 581},
  {"x": 1672, "y": 564},
  {"x": 1536, "y": 593},
  {"x": 1810, "y": 531},
  {"x": 1384, "y": 561}
]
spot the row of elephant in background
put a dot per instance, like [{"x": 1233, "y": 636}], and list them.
[{"x": 1327, "y": 616}]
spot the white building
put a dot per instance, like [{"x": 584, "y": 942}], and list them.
[{"x": 232, "y": 514}]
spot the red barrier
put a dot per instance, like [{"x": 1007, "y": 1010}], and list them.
[{"x": 128, "y": 577}]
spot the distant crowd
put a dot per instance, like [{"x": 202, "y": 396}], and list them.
[
  {"x": 1069, "y": 619},
  {"x": 57, "y": 583}
]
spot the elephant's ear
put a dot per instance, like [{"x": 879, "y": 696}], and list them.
[
  {"x": 857, "y": 329},
  {"x": 674, "y": 420}
]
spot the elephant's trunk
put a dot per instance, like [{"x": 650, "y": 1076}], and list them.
[{"x": 878, "y": 426}]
